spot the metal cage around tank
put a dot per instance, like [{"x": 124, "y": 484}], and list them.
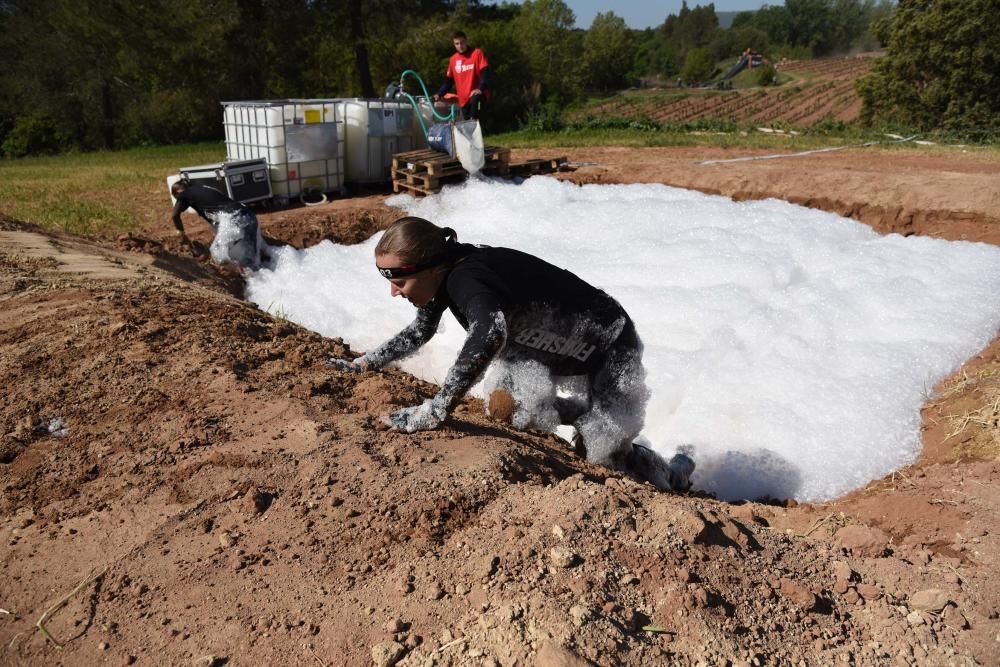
[
  {"x": 376, "y": 130},
  {"x": 303, "y": 142}
]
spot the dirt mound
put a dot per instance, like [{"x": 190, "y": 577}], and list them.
[
  {"x": 239, "y": 505},
  {"x": 350, "y": 220}
]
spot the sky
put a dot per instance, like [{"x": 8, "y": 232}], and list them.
[
  {"x": 792, "y": 348},
  {"x": 641, "y": 15}
]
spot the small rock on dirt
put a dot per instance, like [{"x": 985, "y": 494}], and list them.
[
  {"x": 956, "y": 619},
  {"x": 489, "y": 565},
  {"x": 26, "y": 428},
  {"x": 563, "y": 556},
  {"x": 553, "y": 655},
  {"x": 931, "y": 599},
  {"x": 387, "y": 654},
  {"x": 797, "y": 594},
  {"x": 862, "y": 540},
  {"x": 842, "y": 571},
  {"x": 256, "y": 501},
  {"x": 869, "y": 591},
  {"x": 435, "y": 592},
  {"x": 580, "y": 615}
]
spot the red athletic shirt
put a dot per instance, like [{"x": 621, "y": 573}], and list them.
[{"x": 465, "y": 69}]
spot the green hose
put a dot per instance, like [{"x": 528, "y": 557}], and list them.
[{"x": 416, "y": 107}]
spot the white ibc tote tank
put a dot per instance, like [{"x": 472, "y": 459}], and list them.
[
  {"x": 376, "y": 130},
  {"x": 302, "y": 141}
]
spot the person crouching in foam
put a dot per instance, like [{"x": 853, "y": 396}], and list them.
[
  {"x": 529, "y": 317},
  {"x": 237, "y": 232}
]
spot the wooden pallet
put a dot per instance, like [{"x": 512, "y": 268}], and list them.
[
  {"x": 433, "y": 163},
  {"x": 415, "y": 190},
  {"x": 537, "y": 166},
  {"x": 423, "y": 183},
  {"x": 425, "y": 172}
]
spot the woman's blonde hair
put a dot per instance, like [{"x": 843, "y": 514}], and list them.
[{"x": 417, "y": 241}]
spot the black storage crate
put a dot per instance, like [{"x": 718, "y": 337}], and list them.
[
  {"x": 205, "y": 174},
  {"x": 248, "y": 181},
  {"x": 244, "y": 181}
]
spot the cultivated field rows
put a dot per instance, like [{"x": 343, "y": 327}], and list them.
[{"x": 824, "y": 88}]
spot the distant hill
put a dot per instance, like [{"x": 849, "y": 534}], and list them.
[{"x": 726, "y": 18}]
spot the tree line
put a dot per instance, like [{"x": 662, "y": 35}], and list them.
[{"x": 91, "y": 74}]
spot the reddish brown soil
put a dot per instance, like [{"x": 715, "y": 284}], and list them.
[
  {"x": 240, "y": 507},
  {"x": 822, "y": 88}
]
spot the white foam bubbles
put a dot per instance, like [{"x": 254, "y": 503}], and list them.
[{"x": 792, "y": 347}]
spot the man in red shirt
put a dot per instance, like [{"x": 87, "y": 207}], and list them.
[{"x": 471, "y": 75}]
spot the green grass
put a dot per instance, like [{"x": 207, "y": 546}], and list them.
[{"x": 99, "y": 194}]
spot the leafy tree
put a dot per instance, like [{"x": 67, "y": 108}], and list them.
[
  {"x": 551, "y": 49},
  {"x": 393, "y": 35},
  {"x": 810, "y": 25},
  {"x": 36, "y": 134},
  {"x": 178, "y": 72},
  {"x": 607, "y": 52},
  {"x": 732, "y": 42},
  {"x": 656, "y": 55},
  {"x": 876, "y": 12},
  {"x": 942, "y": 67},
  {"x": 360, "y": 48},
  {"x": 7, "y": 113},
  {"x": 65, "y": 64},
  {"x": 692, "y": 28},
  {"x": 512, "y": 93},
  {"x": 816, "y": 27},
  {"x": 333, "y": 69},
  {"x": 120, "y": 73},
  {"x": 428, "y": 46},
  {"x": 848, "y": 22},
  {"x": 665, "y": 50},
  {"x": 773, "y": 20},
  {"x": 699, "y": 66}
]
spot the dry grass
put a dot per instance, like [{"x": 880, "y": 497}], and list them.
[
  {"x": 989, "y": 376},
  {"x": 976, "y": 427}
]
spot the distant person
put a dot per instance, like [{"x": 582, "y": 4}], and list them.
[
  {"x": 471, "y": 76},
  {"x": 534, "y": 321},
  {"x": 237, "y": 230}
]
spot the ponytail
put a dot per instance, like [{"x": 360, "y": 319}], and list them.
[{"x": 418, "y": 241}]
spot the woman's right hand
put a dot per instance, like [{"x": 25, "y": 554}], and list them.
[
  {"x": 423, "y": 417},
  {"x": 359, "y": 365}
]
